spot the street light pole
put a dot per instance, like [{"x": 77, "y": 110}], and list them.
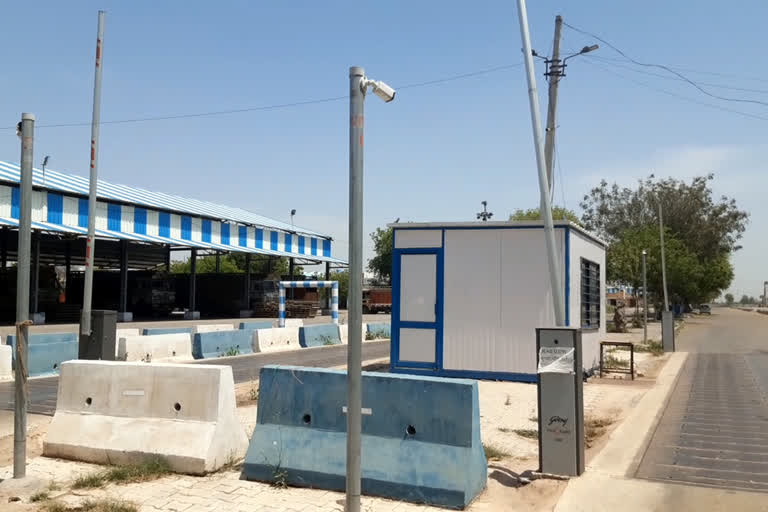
[
  {"x": 645, "y": 301},
  {"x": 663, "y": 261}
]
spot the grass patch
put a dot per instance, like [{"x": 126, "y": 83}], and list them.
[
  {"x": 594, "y": 428},
  {"x": 150, "y": 469},
  {"x": 91, "y": 506},
  {"x": 39, "y": 496},
  {"x": 231, "y": 352},
  {"x": 534, "y": 419},
  {"x": 654, "y": 347},
  {"x": 610, "y": 361},
  {"x": 528, "y": 433},
  {"x": 493, "y": 453},
  {"x": 505, "y": 430},
  {"x": 369, "y": 336},
  {"x": 253, "y": 394}
]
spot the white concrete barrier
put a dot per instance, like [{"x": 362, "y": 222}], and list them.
[
  {"x": 118, "y": 413},
  {"x": 344, "y": 333},
  {"x": 212, "y": 328},
  {"x": 158, "y": 348},
  {"x": 5, "y": 362},
  {"x": 275, "y": 339},
  {"x": 294, "y": 322},
  {"x": 124, "y": 333}
]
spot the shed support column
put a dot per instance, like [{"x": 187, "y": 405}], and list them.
[
  {"x": 246, "y": 312},
  {"x": 290, "y": 276},
  {"x": 4, "y": 252},
  {"x": 67, "y": 269},
  {"x": 37, "y": 317},
  {"x": 218, "y": 262},
  {"x": 328, "y": 278},
  {"x": 192, "y": 314},
  {"x": 123, "y": 314},
  {"x": 168, "y": 259}
]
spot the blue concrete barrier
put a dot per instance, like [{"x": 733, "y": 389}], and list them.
[
  {"x": 380, "y": 330},
  {"x": 252, "y": 326},
  {"x": 46, "y": 352},
  {"x": 319, "y": 335},
  {"x": 151, "y": 331},
  {"x": 206, "y": 345},
  {"x": 420, "y": 435}
]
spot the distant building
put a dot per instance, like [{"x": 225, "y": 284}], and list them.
[{"x": 625, "y": 294}]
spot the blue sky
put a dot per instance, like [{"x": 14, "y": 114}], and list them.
[{"x": 431, "y": 155}]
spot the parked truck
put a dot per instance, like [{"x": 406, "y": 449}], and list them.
[{"x": 377, "y": 300}]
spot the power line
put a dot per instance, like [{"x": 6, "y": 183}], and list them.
[
  {"x": 276, "y": 106},
  {"x": 614, "y": 62},
  {"x": 668, "y": 69},
  {"x": 675, "y": 95}
]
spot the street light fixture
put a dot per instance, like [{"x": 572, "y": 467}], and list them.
[
  {"x": 485, "y": 214},
  {"x": 45, "y": 164},
  {"x": 358, "y": 85},
  {"x": 293, "y": 213}
]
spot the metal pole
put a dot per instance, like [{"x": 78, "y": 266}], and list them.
[
  {"x": 663, "y": 261},
  {"x": 35, "y": 275},
  {"x": 22, "y": 296},
  {"x": 123, "y": 276},
  {"x": 355, "y": 293},
  {"x": 85, "y": 319},
  {"x": 192, "y": 282},
  {"x": 645, "y": 302},
  {"x": 328, "y": 278},
  {"x": 247, "y": 283},
  {"x": 545, "y": 206},
  {"x": 554, "y": 80}
]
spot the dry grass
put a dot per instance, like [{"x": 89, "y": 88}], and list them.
[
  {"x": 150, "y": 469},
  {"x": 594, "y": 428},
  {"x": 528, "y": 433},
  {"x": 494, "y": 453},
  {"x": 90, "y": 506}
]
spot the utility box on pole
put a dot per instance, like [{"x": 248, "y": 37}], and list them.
[
  {"x": 560, "y": 392},
  {"x": 668, "y": 331},
  {"x": 101, "y": 343}
]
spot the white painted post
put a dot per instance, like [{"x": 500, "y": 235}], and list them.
[
  {"x": 281, "y": 307},
  {"x": 335, "y": 302}
]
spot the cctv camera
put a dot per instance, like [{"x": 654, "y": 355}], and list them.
[{"x": 383, "y": 91}]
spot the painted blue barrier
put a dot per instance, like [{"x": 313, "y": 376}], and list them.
[
  {"x": 206, "y": 345},
  {"x": 151, "y": 331},
  {"x": 252, "y": 326},
  {"x": 46, "y": 352},
  {"x": 380, "y": 330},
  {"x": 420, "y": 435},
  {"x": 319, "y": 335}
]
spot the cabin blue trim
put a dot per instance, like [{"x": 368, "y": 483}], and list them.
[
  {"x": 55, "y": 208},
  {"x": 313, "y": 246},
  {"x": 224, "y": 233},
  {"x": 327, "y": 248},
  {"x": 567, "y": 275},
  {"x": 242, "y": 236},
  {"x": 273, "y": 240},
  {"x": 140, "y": 221},
  {"x": 114, "y": 216},
  {"x": 164, "y": 224},
  {"x": 82, "y": 213},
  {"x": 301, "y": 244},
  {"x": 259, "y": 238},
  {"x": 186, "y": 227},
  {"x": 15, "y": 202},
  {"x": 469, "y": 374},
  {"x": 288, "y": 242},
  {"x": 206, "y": 230}
]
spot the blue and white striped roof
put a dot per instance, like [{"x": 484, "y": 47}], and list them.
[{"x": 74, "y": 184}]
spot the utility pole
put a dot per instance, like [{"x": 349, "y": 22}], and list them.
[
  {"x": 546, "y": 206},
  {"x": 765, "y": 293},
  {"x": 554, "y": 73},
  {"x": 663, "y": 261},
  {"x": 22, "y": 296},
  {"x": 85, "y": 318},
  {"x": 645, "y": 301}
]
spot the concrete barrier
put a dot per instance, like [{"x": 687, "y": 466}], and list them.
[
  {"x": 117, "y": 413},
  {"x": 379, "y": 331},
  {"x": 319, "y": 335},
  {"x": 212, "y": 328},
  {"x": 158, "y": 348},
  {"x": 276, "y": 339},
  {"x": 294, "y": 322},
  {"x": 256, "y": 325},
  {"x": 6, "y": 372},
  {"x": 344, "y": 333},
  {"x": 420, "y": 435},
  {"x": 124, "y": 333},
  {"x": 46, "y": 352},
  {"x": 152, "y": 331},
  {"x": 236, "y": 342}
]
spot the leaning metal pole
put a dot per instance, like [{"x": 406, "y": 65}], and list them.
[
  {"x": 85, "y": 318},
  {"x": 545, "y": 205}
]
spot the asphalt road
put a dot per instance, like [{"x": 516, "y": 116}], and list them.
[
  {"x": 714, "y": 429},
  {"x": 42, "y": 392}
]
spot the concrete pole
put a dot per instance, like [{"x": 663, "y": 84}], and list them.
[
  {"x": 35, "y": 275},
  {"x": 645, "y": 301},
  {"x": 355, "y": 294},
  {"x": 554, "y": 80},
  {"x": 663, "y": 261},
  {"x": 765, "y": 293},
  {"x": 22, "y": 296},
  {"x": 545, "y": 206},
  {"x": 85, "y": 319}
]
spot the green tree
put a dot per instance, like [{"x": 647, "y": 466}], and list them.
[
  {"x": 381, "y": 263},
  {"x": 745, "y": 299},
  {"x": 558, "y": 213},
  {"x": 702, "y": 232},
  {"x": 729, "y": 298},
  {"x": 234, "y": 263}
]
